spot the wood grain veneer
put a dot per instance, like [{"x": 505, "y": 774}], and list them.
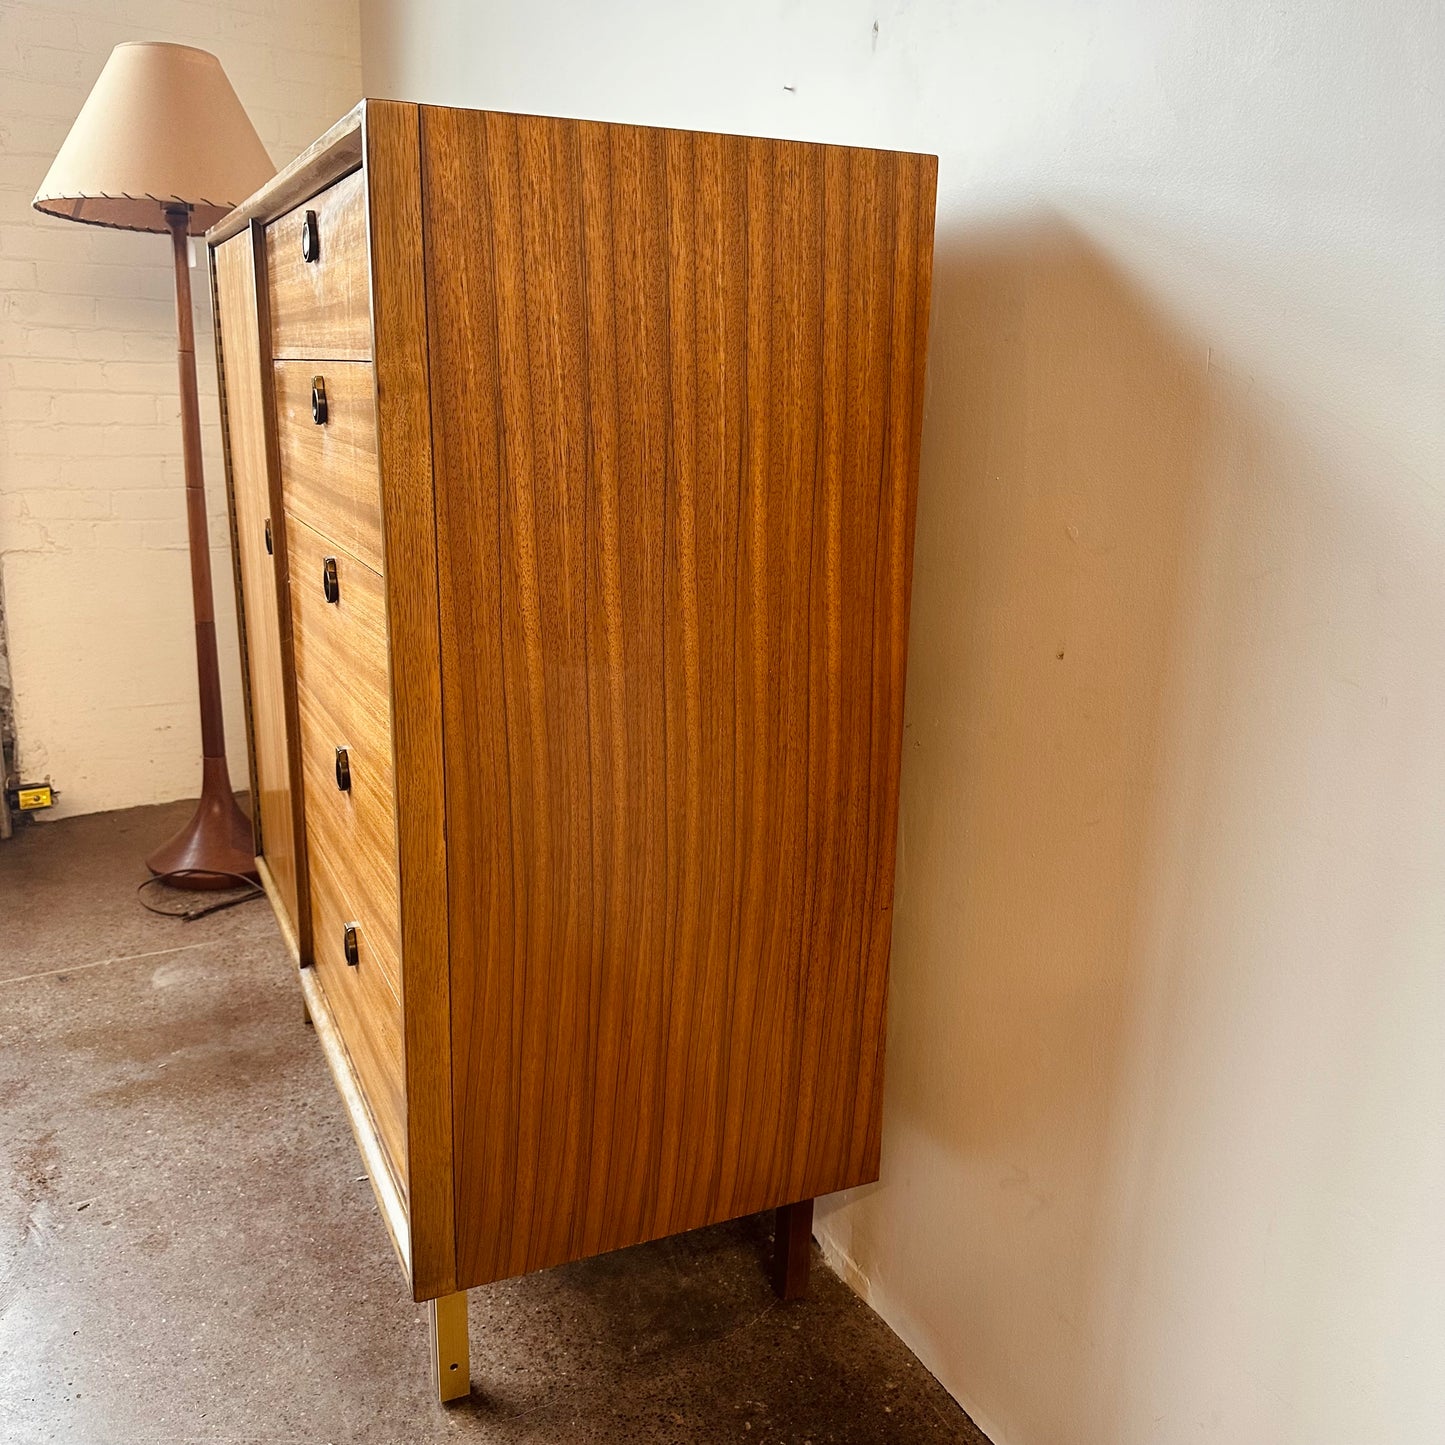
[
  {"x": 237, "y": 321},
  {"x": 340, "y": 661},
  {"x": 366, "y": 1011},
  {"x": 674, "y": 523},
  {"x": 330, "y": 156},
  {"x": 321, "y": 309},
  {"x": 391, "y": 1201},
  {"x": 403, "y": 386},
  {"x": 358, "y": 825},
  {"x": 329, "y": 472},
  {"x": 339, "y": 648}
]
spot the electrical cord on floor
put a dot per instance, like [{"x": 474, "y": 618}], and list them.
[{"x": 189, "y": 915}]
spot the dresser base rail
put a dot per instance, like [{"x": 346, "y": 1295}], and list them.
[
  {"x": 383, "y": 1184},
  {"x": 279, "y": 908}
]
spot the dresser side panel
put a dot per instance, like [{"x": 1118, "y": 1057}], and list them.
[{"x": 677, "y": 384}]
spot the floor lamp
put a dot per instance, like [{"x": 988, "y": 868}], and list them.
[{"x": 162, "y": 144}]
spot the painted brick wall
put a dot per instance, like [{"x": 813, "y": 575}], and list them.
[{"x": 93, "y": 556}]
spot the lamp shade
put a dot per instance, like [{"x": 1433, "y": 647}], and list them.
[{"x": 161, "y": 128}]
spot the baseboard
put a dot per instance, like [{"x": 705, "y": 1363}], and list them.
[
  {"x": 856, "y": 1278},
  {"x": 844, "y": 1266}
]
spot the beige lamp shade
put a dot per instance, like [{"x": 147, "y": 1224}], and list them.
[{"x": 162, "y": 128}]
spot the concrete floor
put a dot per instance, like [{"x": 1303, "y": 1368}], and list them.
[{"x": 189, "y": 1250}]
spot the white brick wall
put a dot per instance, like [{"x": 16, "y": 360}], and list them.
[{"x": 92, "y": 514}]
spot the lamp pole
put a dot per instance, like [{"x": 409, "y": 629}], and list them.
[{"x": 216, "y": 845}]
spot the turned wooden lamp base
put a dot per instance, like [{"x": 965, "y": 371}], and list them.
[{"x": 214, "y": 849}]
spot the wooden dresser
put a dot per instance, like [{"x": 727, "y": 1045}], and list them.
[{"x": 572, "y": 473}]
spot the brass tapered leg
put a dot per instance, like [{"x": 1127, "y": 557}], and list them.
[{"x": 450, "y": 1355}]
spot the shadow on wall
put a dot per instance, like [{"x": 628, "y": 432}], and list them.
[
  {"x": 1061, "y": 469},
  {"x": 1167, "y": 914}
]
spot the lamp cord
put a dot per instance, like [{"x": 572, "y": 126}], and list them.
[{"x": 189, "y": 915}]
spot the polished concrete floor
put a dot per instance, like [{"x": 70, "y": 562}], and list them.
[{"x": 189, "y": 1250}]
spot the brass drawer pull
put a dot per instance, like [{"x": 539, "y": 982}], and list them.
[
  {"x": 343, "y": 769},
  {"x": 310, "y": 238},
  {"x": 270, "y": 547},
  {"x": 351, "y": 945},
  {"x": 330, "y": 585},
  {"x": 318, "y": 400}
]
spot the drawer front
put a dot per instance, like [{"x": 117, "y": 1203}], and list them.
[
  {"x": 365, "y": 1010},
  {"x": 340, "y": 647},
  {"x": 351, "y": 808},
  {"x": 326, "y": 430},
  {"x": 342, "y": 688},
  {"x": 316, "y": 272}
]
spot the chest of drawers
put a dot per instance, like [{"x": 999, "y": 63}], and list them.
[{"x": 572, "y": 473}]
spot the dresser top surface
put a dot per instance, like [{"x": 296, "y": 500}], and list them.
[{"x": 340, "y": 151}]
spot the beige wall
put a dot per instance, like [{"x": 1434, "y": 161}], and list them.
[
  {"x": 1165, "y": 1147},
  {"x": 93, "y": 555}
]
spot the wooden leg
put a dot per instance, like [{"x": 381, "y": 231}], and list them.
[
  {"x": 450, "y": 1357},
  {"x": 792, "y": 1247}
]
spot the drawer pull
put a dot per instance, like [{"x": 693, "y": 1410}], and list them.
[
  {"x": 343, "y": 769},
  {"x": 351, "y": 945},
  {"x": 310, "y": 238},
  {"x": 318, "y": 400},
  {"x": 330, "y": 586},
  {"x": 270, "y": 547}
]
